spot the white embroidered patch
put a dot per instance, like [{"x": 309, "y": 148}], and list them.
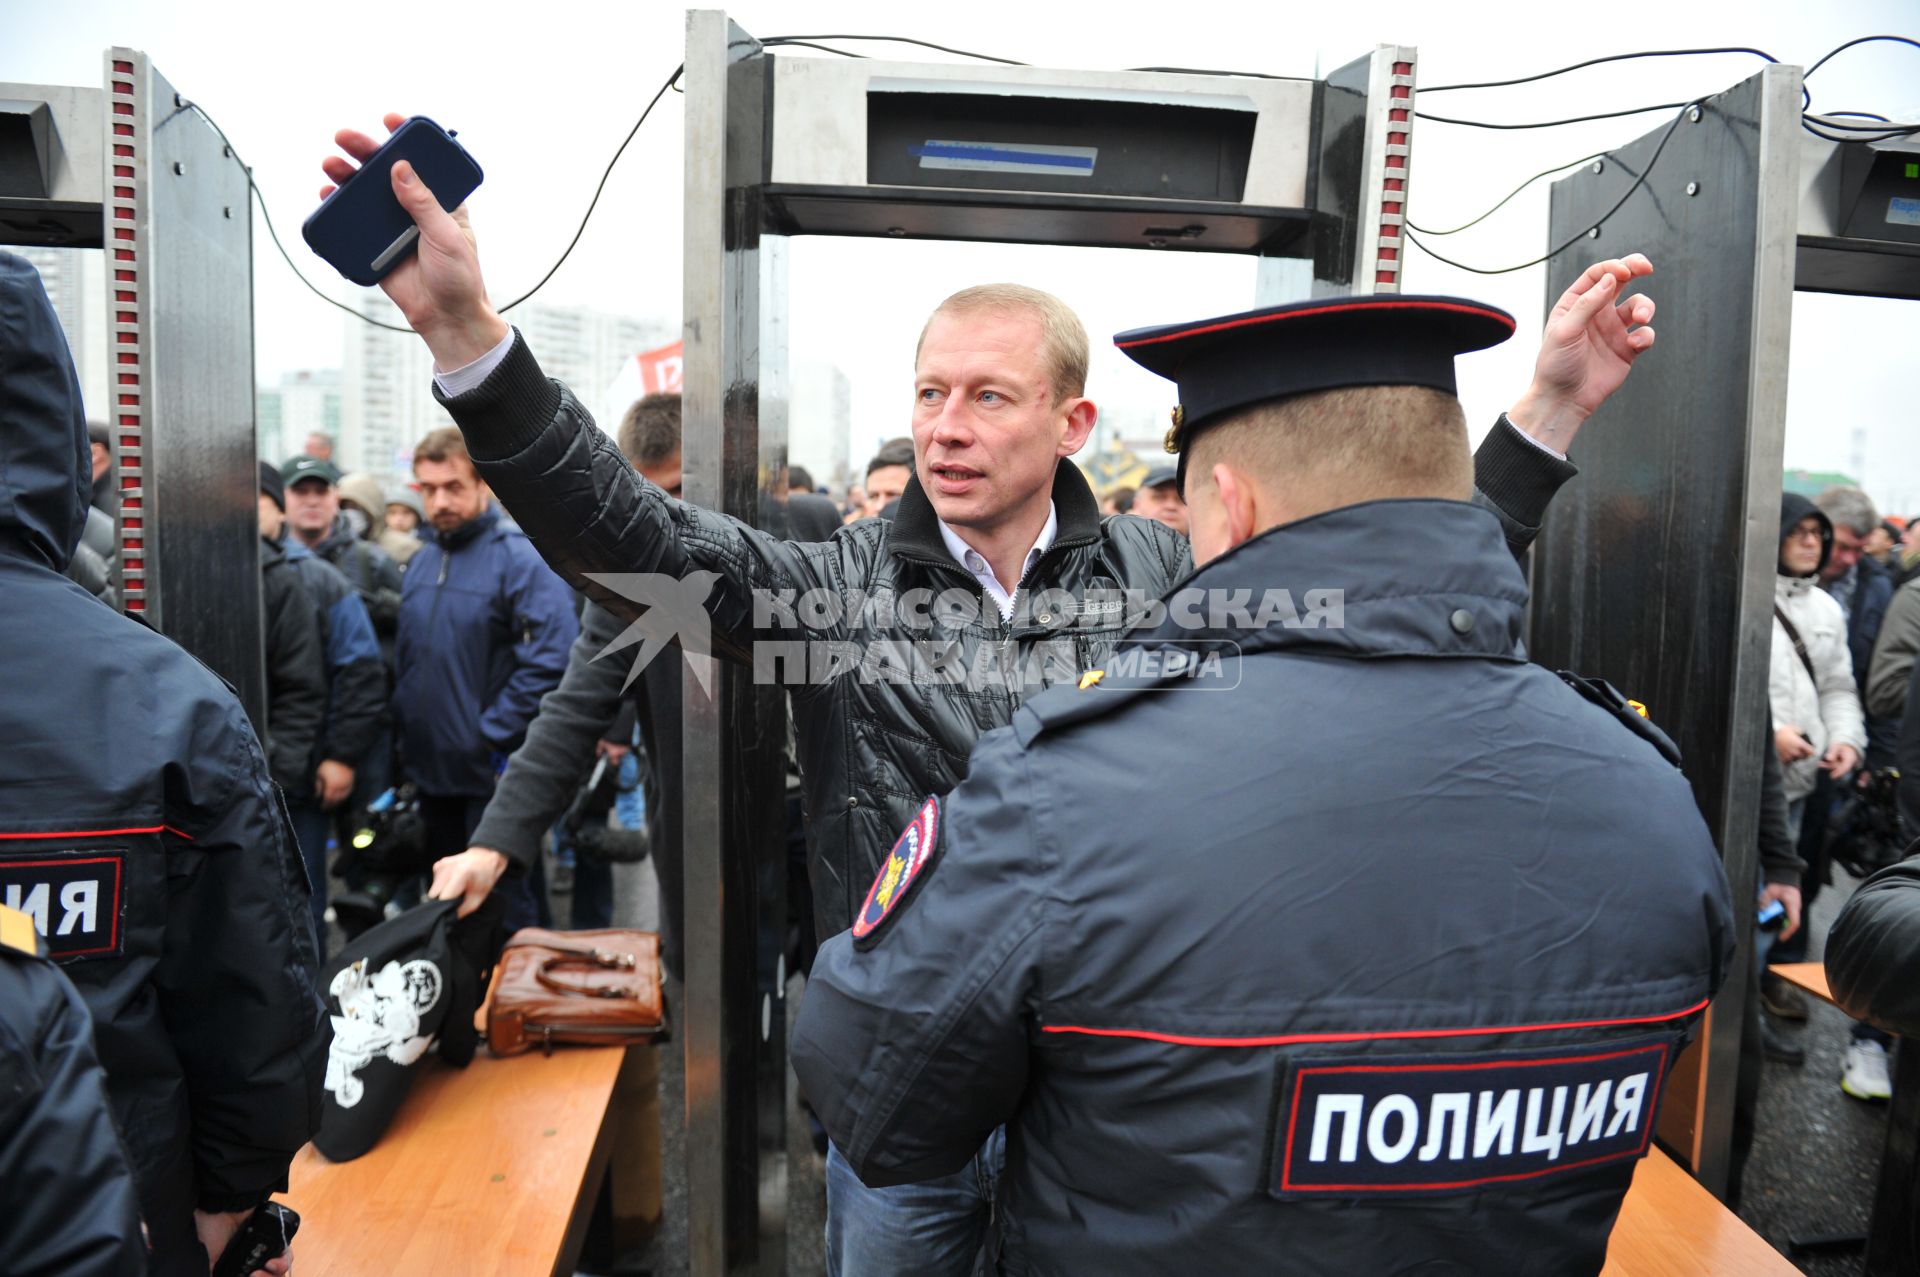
[{"x": 379, "y": 1016}]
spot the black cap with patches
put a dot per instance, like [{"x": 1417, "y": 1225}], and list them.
[{"x": 1378, "y": 339}]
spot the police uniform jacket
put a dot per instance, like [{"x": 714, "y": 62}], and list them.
[
  {"x": 140, "y": 830},
  {"x": 70, "y": 1204},
  {"x": 871, "y": 745},
  {"x": 1367, "y": 952}
]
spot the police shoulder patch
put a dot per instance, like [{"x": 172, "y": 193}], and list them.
[
  {"x": 1436, "y": 1125},
  {"x": 74, "y": 897},
  {"x": 910, "y": 860}
]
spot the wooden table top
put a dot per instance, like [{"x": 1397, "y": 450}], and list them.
[
  {"x": 445, "y": 1191},
  {"x": 1671, "y": 1227},
  {"x": 1811, "y": 976},
  {"x": 448, "y": 1190}
]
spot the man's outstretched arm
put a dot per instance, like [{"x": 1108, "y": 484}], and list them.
[{"x": 585, "y": 508}]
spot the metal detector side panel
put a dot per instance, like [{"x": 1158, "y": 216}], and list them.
[
  {"x": 1655, "y": 567},
  {"x": 1362, "y": 165},
  {"x": 734, "y": 1016},
  {"x": 180, "y": 307}
]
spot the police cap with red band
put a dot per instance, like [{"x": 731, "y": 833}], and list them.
[{"x": 1235, "y": 361}]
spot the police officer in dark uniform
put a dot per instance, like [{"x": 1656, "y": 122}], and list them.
[
  {"x": 70, "y": 1205},
  {"x": 1383, "y": 963},
  {"x": 140, "y": 830}
]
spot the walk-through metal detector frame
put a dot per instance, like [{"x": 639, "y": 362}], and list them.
[
  {"x": 1656, "y": 570},
  {"x": 780, "y": 147},
  {"x": 131, "y": 169}
]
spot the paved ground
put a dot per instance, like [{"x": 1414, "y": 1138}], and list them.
[
  {"x": 635, "y": 905},
  {"x": 1816, "y": 1151}
]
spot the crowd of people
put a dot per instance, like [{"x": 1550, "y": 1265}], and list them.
[
  {"x": 1041, "y": 1030},
  {"x": 1838, "y": 680}
]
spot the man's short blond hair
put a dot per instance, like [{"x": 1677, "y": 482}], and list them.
[
  {"x": 1063, "y": 339},
  {"x": 1341, "y": 447}
]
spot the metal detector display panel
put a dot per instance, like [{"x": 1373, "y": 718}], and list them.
[
  {"x": 1655, "y": 566},
  {"x": 1007, "y": 143},
  {"x": 1889, "y": 203}
]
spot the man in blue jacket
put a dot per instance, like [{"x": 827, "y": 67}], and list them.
[{"x": 484, "y": 631}]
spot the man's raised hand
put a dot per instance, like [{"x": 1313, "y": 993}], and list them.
[
  {"x": 1590, "y": 343},
  {"x": 438, "y": 287}
]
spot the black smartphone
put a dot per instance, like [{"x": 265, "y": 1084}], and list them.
[
  {"x": 264, "y": 1236},
  {"x": 1773, "y": 916},
  {"x": 361, "y": 230}
]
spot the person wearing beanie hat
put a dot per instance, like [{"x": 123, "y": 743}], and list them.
[
  {"x": 406, "y": 512},
  {"x": 362, "y": 496},
  {"x": 274, "y": 488}
]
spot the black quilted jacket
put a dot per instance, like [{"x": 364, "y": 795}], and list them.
[{"x": 907, "y": 666}]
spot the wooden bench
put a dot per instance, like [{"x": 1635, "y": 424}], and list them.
[
  {"x": 1892, "y": 1247},
  {"x": 1811, "y": 976},
  {"x": 1669, "y": 1226},
  {"x": 491, "y": 1171},
  {"x": 487, "y": 1171}
]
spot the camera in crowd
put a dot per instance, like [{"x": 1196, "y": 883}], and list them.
[
  {"x": 585, "y": 828},
  {"x": 1867, "y": 836},
  {"x": 384, "y": 853}
]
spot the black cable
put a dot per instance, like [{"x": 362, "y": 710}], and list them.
[
  {"x": 1832, "y": 119},
  {"x": 595, "y": 201},
  {"x": 1509, "y": 195},
  {"x": 273, "y": 234},
  {"x": 807, "y": 41},
  {"x": 1638, "y": 182},
  {"x": 580, "y": 230},
  {"x": 1865, "y": 39},
  {"x": 894, "y": 39},
  {"x": 1614, "y": 57},
  {"x": 1550, "y": 124},
  {"x": 1250, "y": 75},
  {"x": 1845, "y": 140},
  {"x": 777, "y": 43}
]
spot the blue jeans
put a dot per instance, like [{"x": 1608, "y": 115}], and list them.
[
  {"x": 630, "y": 798},
  {"x": 591, "y": 906},
  {"x": 937, "y": 1228}
]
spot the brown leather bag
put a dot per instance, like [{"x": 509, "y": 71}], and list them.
[{"x": 590, "y": 987}]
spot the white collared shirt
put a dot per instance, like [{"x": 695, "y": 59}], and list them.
[{"x": 975, "y": 562}]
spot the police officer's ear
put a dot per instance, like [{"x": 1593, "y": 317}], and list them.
[{"x": 1223, "y": 509}]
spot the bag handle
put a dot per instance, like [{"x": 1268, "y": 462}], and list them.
[
  {"x": 1799, "y": 647},
  {"x": 598, "y": 959}
]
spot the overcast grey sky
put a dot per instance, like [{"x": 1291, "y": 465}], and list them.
[{"x": 543, "y": 94}]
